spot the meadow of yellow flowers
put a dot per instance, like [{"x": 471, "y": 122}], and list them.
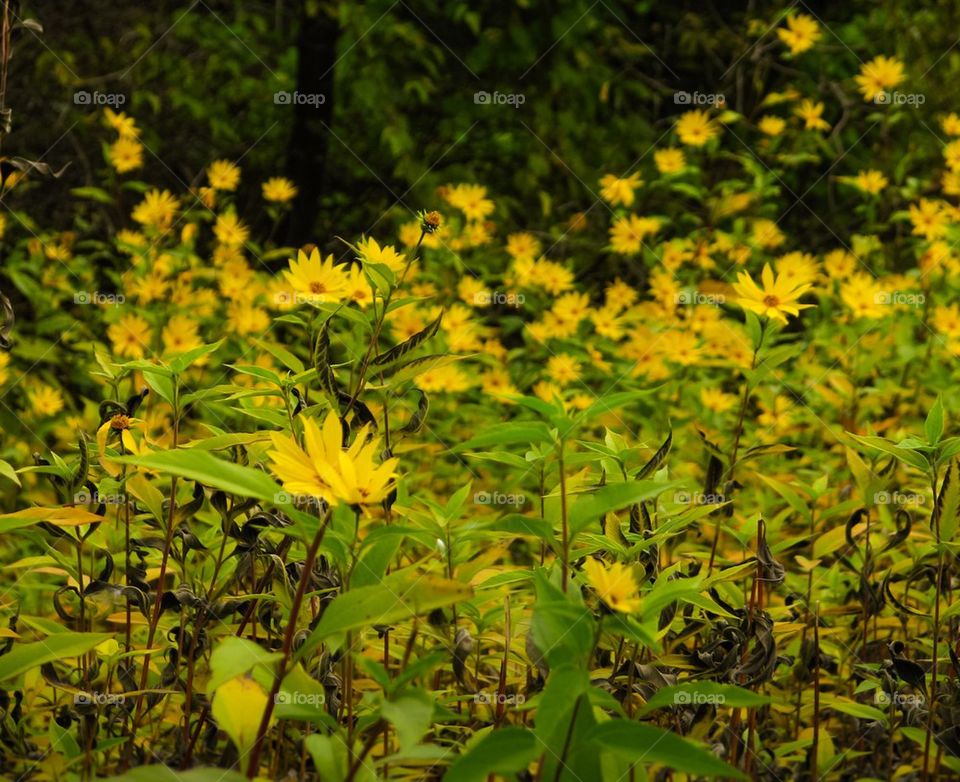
[{"x": 658, "y": 491}]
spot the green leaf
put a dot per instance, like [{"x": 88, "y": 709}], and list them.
[
  {"x": 645, "y": 744},
  {"x": 55, "y": 647},
  {"x": 159, "y": 773},
  {"x": 411, "y": 714},
  {"x": 399, "y": 351},
  {"x": 722, "y": 695},
  {"x": 590, "y": 507},
  {"x": 912, "y": 458},
  {"x": 206, "y": 468},
  {"x": 397, "y": 596},
  {"x": 518, "y": 432},
  {"x": 933, "y": 426},
  {"x": 7, "y": 471},
  {"x": 505, "y": 751}
]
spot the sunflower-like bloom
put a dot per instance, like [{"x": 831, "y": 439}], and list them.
[
  {"x": 614, "y": 585},
  {"x": 327, "y": 470},
  {"x": 777, "y": 298}
]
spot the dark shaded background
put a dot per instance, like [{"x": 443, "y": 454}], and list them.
[{"x": 399, "y": 78}]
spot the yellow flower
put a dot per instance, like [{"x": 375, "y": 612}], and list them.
[
  {"x": 44, "y": 400},
  {"x": 619, "y": 295},
  {"x": 619, "y": 190},
  {"x": 615, "y": 585},
  {"x": 317, "y": 280},
  {"x": 180, "y": 335},
  {"x": 555, "y": 278},
  {"x": 523, "y": 246},
  {"x": 811, "y": 114},
  {"x": 130, "y": 336},
  {"x": 951, "y": 155},
  {"x": 869, "y": 181},
  {"x": 928, "y": 218},
  {"x": 839, "y": 264},
  {"x": 327, "y": 470},
  {"x": 669, "y": 160},
  {"x": 776, "y": 299},
  {"x": 371, "y": 252},
  {"x": 496, "y": 382},
  {"x": 4, "y": 364},
  {"x": 563, "y": 369},
  {"x": 444, "y": 380},
  {"x": 126, "y": 154},
  {"x": 358, "y": 287},
  {"x": 229, "y": 230},
  {"x": 120, "y": 122},
  {"x": 796, "y": 268},
  {"x": 716, "y": 400},
  {"x": 767, "y": 234},
  {"x": 771, "y": 126},
  {"x": 878, "y": 76},
  {"x": 695, "y": 128},
  {"x": 471, "y": 200},
  {"x": 865, "y": 297},
  {"x": 627, "y": 233},
  {"x": 801, "y": 33},
  {"x": 223, "y": 175},
  {"x": 279, "y": 190},
  {"x": 156, "y": 210},
  {"x": 951, "y": 124}
]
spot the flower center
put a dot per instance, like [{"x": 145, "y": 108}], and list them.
[
  {"x": 771, "y": 301},
  {"x": 317, "y": 287}
]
